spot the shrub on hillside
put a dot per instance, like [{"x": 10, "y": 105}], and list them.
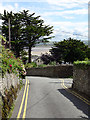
[{"x": 10, "y": 64}]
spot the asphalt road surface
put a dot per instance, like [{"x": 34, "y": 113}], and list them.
[{"x": 48, "y": 98}]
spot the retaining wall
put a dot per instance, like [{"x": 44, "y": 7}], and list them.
[
  {"x": 81, "y": 79},
  {"x": 61, "y": 71},
  {"x": 7, "y": 81}
]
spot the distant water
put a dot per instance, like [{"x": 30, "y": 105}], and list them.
[
  {"x": 42, "y": 49},
  {"x": 38, "y": 50}
]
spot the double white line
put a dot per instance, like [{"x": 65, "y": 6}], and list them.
[{"x": 25, "y": 97}]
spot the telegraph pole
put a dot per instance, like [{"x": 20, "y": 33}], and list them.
[{"x": 9, "y": 33}]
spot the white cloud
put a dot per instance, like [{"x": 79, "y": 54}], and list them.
[
  {"x": 16, "y": 5},
  {"x": 78, "y": 11},
  {"x": 5, "y": 7},
  {"x": 68, "y": 3},
  {"x": 9, "y": 7},
  {"x": 22, "y": 0},
  {"x": 63, "y": 34},
  {"x": 78, "y": 30},
  {"x": 52, "y": 7},
  {"x": 54, "y": 2},
  {"x": 67, "y": 27},
  {"x": 67, "y": 12},
  {"x": 68, "y": 17},
  {"x": 78, "y": 25}
]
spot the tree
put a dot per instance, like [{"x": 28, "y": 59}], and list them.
[
  {"x": 69, "y": 50},
  {"x": 34, "y": 31},
  {"x": 88, "y": 53},
  {"x": 47, "y": 58},
  {"x": 16, "y": 39},
  {"x": 16, "y": 30},
  {"x": 26, "y": 31},
  {"x": 5, "y": 27},
  {"x": 24, "y": 57}
]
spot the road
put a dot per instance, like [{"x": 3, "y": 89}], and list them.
[{"x": 47, "y": 98}]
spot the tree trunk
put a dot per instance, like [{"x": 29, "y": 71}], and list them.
[
  {"x": 17, "y": 53},
  {"x": 29, "y": 61}
]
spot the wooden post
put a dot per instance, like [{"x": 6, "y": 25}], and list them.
[{"x": 9, "y": 34}]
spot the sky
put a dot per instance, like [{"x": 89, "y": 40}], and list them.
[{"x": 69, "y": 18}]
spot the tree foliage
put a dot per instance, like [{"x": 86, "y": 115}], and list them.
[
  {"x": 26, "y": 31},
  {"x": 69, "y": 50},
  {"x": 88, "y": 53},
  {"x": 47, "y": 58},
  {"x": 15, "y": 28}
]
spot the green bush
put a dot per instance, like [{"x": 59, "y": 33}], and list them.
[
  {"x": 10, "y": 64},
  {"x": 82, "y": 64},
  {"x": 30, "y": 65},
  {"x": 52, "y": 63},
  {"x": 42, "y": 65}
]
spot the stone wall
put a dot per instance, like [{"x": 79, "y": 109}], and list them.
[
  {"x": 7, "y": 81},
  {"x": 81, "y": 79},
  {"x": 61, "y": 71}
]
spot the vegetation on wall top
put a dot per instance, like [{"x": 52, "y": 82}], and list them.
[{"x": 82, "y": 64}]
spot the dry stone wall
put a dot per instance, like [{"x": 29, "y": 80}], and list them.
[
  {"x": 62, "y": 71},
  {"x": 81, "y": 79},
  {"x": 7, "y": 81}
]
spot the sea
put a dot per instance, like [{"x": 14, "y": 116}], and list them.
[{"x": 41, "y": 49}]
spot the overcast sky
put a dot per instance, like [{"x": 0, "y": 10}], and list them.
[{"x": 69, "y": 17}]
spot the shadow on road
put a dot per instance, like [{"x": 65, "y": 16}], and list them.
[{"x": 77, "y": 102}]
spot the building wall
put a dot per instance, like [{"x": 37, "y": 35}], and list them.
[{"x": 62, "y": 71}]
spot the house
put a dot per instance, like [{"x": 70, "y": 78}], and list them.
[{"x": 38, "y": 61}]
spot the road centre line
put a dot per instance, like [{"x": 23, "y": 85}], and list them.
[
  {"x": 75, "y": 94},
  {"x": 24, "y": 113},
  {"x": 20, "y": 109}
]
